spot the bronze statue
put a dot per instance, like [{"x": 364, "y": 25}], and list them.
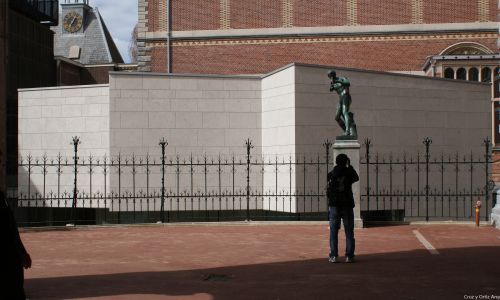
[{"x": 343, "y": 116}]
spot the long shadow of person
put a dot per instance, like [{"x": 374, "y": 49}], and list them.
[{"x": 13, "y": 255}]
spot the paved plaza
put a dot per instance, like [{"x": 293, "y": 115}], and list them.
[{"x": 262, "y": 261}]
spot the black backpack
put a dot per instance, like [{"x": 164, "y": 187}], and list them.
[{"x": 337, "y": 189}]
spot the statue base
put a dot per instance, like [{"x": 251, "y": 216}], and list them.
[
  {"x": 346, "y": 138},
  {"x": 350, "y": 146}
]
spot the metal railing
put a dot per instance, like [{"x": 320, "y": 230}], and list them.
[
  {"x": 138, "y": 189},
  {"x": 426, "y": 186}
]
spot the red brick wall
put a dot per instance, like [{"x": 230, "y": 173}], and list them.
[
  {"x": 450, "y": 11},
  {"x": 494, "y": 11},
  {"x": 152, "y": 18},
  {"x": 195, "y": 14},
  {"x": 381, "y": 12},
  {"x": 263, "y": 58},
  {"x": 159, "y": 59},
  {"x": 256, "y": 13},
  {"x": 205, "y": 15},
  {"x": 306, "y": 13}
]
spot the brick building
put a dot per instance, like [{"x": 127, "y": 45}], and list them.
[
  {"x": 26, "y": 61},
  {"x": 257, "y": 36}
]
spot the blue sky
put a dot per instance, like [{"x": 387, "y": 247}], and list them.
[{"x": 120, "y": 16}]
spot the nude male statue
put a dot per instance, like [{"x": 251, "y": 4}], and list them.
[{"x": 343, "y": 116}]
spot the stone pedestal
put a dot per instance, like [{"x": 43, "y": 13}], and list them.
[
  {"x": 351, "y": 148},
  {"x": 495, "y": 212}
]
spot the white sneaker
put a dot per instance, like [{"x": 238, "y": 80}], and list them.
[
  {"x": 349, "y": 259},
  {"x": 332, "y": 259}
]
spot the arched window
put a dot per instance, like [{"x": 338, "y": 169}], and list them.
[
  {"x": 449, "y": 73},
  {"x": 473, "y": 74},
  {"x": 486, "y": 74},
  {"x": 466, "y": 48},
  {"x": 461, "y": 74}
]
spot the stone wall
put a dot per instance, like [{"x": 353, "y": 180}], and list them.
[
  {"x": 288, "y": 114},
  {"x": 278, "y": 135},
  {"x": 396, "y": 112},
  {"x": 48, "y": 120},
  {"x": 199, "y": 116}
]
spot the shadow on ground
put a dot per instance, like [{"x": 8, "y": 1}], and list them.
[{"x": 402, "y": 275}]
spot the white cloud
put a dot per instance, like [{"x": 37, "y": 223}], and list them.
[{"x": 120, "y": 17}]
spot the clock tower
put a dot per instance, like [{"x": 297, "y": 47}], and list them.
[
  {"x": 83, "y": 41},
  {"x": 74, "y": 13}
]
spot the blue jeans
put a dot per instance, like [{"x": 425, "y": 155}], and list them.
[{"x": 347, "y": 216}]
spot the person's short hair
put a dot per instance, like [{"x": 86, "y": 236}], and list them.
[
  {"x": 332, "y": 74},
  {"x": 341, "y": 159}
]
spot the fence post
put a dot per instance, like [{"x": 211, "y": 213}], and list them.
[
  {"x": 91, "y": 170},
  {"x": 219, "y": 169},
  {"x": 119, "y": 187},
  {"x": 44, "y": 171},
  {"x": 163, "y": 143},
  {"x": 30, "y": 159},
  {"x": 327, "y": 146},
  {"x": 367, "y": 156},
  {"x": 427, "y": 142},
  {"x": 76, "y": 142},
  {"x": 487, "y": 144},
  {"x": 105, "y": 172},
  {"x": 59, "y": 171},
  {"x": 249, "y": 145}
]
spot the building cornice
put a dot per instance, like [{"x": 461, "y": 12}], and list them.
[
  {"x": 322, "y": 31},
  {"x": 490, "y": 58}
]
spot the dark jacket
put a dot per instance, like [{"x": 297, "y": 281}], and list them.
[
  {"x": 11, "y": 240},
  {"x": 12, "y": 254},
  {"x": 344, "y": 177}
]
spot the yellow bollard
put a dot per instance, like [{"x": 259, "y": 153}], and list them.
[{"x": 478, "y": 208}]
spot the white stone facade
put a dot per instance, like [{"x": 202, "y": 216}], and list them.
[{"x": 288, "y": 113}]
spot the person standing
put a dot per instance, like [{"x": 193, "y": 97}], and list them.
[
  {"x": 341, "y": 206},
  {"x": 14, "y": 256}
]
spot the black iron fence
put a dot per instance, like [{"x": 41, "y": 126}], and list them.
[
  {"x": 135, "y": 189},
  {"x": 427, "y": 186},
  {"x": 143, "y": 189}
]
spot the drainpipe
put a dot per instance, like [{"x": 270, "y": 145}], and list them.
[{"x": 169, "y": 54}]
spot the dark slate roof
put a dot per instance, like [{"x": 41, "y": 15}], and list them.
[{"x": 97, "y": 45}]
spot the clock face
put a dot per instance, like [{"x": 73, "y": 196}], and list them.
[{"x": 72, "y": 22}]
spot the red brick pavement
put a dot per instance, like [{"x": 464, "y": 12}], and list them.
[{"x": 261, "y": 262}]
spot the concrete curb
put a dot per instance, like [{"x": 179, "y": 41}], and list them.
[
  {"x": 246, "y": 223},
  {"x": 186, "y": 224}
]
